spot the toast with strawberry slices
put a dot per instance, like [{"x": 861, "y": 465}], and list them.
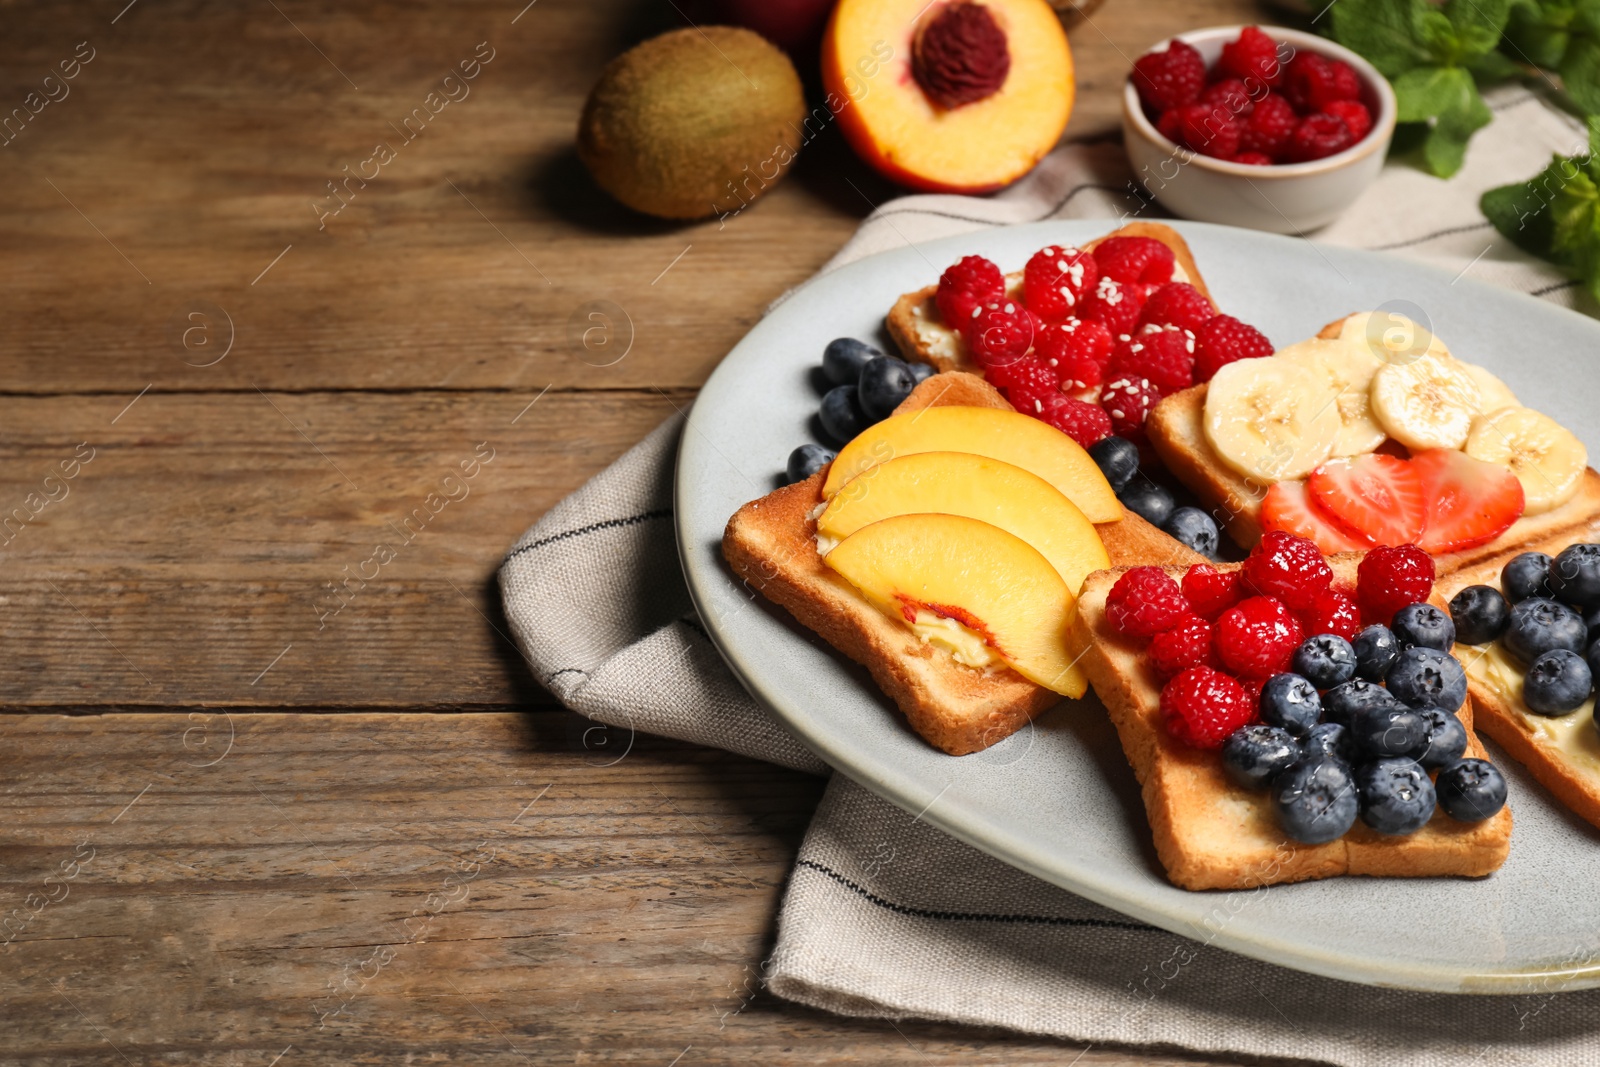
[
  {"x": 771, "y": 544},
  {"x": 1175, "y": 431}
]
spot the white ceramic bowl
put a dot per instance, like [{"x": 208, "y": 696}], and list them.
[{"x": 1289, "y": 198}]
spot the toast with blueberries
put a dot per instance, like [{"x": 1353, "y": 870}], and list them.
[
  {"x": 772, "y": 545},
  {"x": 1522, "y": 622},
  {"x": 1353, "y": 756}
]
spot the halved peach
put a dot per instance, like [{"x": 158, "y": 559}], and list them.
[
  {"x": 956, "y": 483},
  {"x": 1008, "y": 436},
  {"x": 960, "y": 96},
  {"x": 925, "y": 569}
]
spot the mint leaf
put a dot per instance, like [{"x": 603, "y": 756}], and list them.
[
  {"x": 1580, "y": 73},
  {"x": 1583, "y": 17},
  {"x": 1521, "y": 211},
  {"x": 1446, "y": 146},
  {"x": 1383, "y": 32},
  {"x": 1447, "y": 98},
  {"x": 1493, "y": 67},
  {"x": 1538, "y": 33},
  {"x": 1478, "y": 24},
  {"x": 1438, "y": 37},
  {"x": 1426, "y": 92}
]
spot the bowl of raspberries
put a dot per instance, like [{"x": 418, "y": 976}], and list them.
[{"x": 1267, "y": 128}]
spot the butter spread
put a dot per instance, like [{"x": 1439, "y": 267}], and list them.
[
  {"x": 1573, "y": 734},
  {"x": 964, "y": 646}
]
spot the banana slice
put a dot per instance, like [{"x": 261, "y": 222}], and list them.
[
  {"x": 1348, "y": 367},
  {"x": 1427, "y": 402},
  {"x": 1545, "y": 456},
  {"x": 1391, "y": 337},
  {"x": 1271, "y": 419},
  {"x": 1493, "y": 393}
]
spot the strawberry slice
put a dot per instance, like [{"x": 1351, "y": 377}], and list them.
[
  {"x": 1469, "y": 501},
  {"x": 1376, "y": 494},
  {"x": 1290, "y": 507}
]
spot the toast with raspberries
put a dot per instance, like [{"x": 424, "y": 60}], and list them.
[
  {"x": 1175, "y": 429},
  {"x": 1561, "y": 750},
  {"x": 1211, "y": 833},
  {"x": 771, "y": 544}
]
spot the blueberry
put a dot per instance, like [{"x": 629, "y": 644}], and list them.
[
  {"x": 844, "y": 357},
  {"x": 1342, "y": 703},
  {"x": 1254, "y": 755},
  {"x": 1557, "y": 682},
  {"x": 1426, "y": 677},
  {"x": 1326, "y": 659},
  {"x": 1376, "y": 650},
  {"x": 1387, "y": 731},
  {"x": 1525, "y": 576},
  {"x": 1480, "y": 613},
  {"x": 841, "y": 416},
  {"x": 807, "y": 460},
  {"x": 1538, "y": 625},
  {"x": 1118, "y": 460},
  {"x": 1591, "y": 619},
  {"x": 1446, "y": 738},
  {"x": 1592, "y": 658},
  {"x": 1471, "y": 790},
  {"x": 1328, "y": 739},
  {"x": 1396, "y": 795},
  {"x": 1290, "y": 702},
  {"x": 1147, "y": 500},
  {"x": 884, "y": 383},
  {"x": 1316, "y": 800},
  {"x": 1575, "y": 575},
  {"x": 921, "y": 372},
  {"x": 1423, "y": 625},
  {"x": 1194, "y": 528}
]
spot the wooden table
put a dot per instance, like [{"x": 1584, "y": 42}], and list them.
[{"x": 223, "y": 806}]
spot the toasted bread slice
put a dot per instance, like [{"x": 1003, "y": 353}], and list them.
[
  {"x": 1210, "y": 833},
  {"x": 771, "y": 544},
  {"x": 1562, "y": 752},
  {"x": 922, "y": 335},
  {"x": 1176, "y": 432}
]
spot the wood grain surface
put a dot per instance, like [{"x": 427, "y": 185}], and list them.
[{"x": 270, "y": 815}]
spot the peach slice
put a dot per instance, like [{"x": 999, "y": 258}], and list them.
[
  {"x": 1008, "y": 436},
  {"x": 959, "y": 96},
  {"x": 956, "y": 483},
  {"x": 931, "y": 568}
]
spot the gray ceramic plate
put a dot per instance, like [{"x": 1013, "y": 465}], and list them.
[{"x": 1058, "y": 799}]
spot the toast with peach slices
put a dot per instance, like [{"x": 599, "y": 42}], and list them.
[
  {"x": 1176, "y": 432},
  {"x": 771, "y": 544},
  {"x": 922, "y": 335},
  {"x": 1212, "y": 834},
  {"x": 1561, "y": 751}
]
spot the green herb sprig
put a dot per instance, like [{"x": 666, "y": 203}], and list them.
[{"x": 1556, "y": 214}]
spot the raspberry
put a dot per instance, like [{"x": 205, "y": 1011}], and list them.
[
  {"x": 1079, "y": 349},
  {"x": 1167, "y": 125},
  {"x": 1269, "y": 126},
  {"x": 1209, "y": 129},
  {"x": 1114, "y": 304},
  {"x": 1162, "y": 355},
  {"x": 1389, "y": 579},
  {"x": 1170, "y": 78},
  {"x": 1083, "y": 422},
  {"x": 1253, "y": 159},
  {"x": 1355, "y": 116},
  {"x": 1287, "y": 567},
  {"x": 1312, "y": 82},
  {"x": 1145, "y": 601},
  {"x": 1202, "y": 706},
  {"x": 965, "y": 285},
  {"x": 1252, "y": 691},
  {"x": 1186, "y": 644},
  {"x": 1257, "y": 637},
  {"x": 1222, "y": 341},
  {"x": 1209, "y": 591},
  {"x": 1331, "y": 612},
  {"x": 1001, "y": 333},
  {"x": 1056, "y": 279},
  {"x": 1128, "y": 401},
  {"x": 1317, "y": 137},
  {"x": 1177, "y": 304},
  {"x": 1030, "y": 374},
  {"x": 1134, "y": 259},
  {"x": 1253, "y": 56},
  {"x": 1231, "y": 94}
]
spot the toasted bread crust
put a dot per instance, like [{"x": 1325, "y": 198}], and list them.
[
  {"x": 771, "y": 545},
  {"x": 1211, "y": 834},
  {"x": 915, "y": 309}
]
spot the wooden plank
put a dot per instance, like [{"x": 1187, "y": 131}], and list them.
[
  {"x": 291, "y": 898},
  {"x": 199, "y": 539}
]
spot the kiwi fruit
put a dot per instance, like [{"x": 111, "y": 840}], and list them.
[{"x": 693, "y": 123}]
